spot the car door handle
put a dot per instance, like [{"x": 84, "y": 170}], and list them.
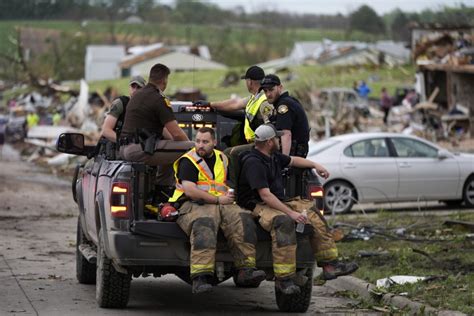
[
  {"x": 404, "y": 165},
  {"x": 349, "y": 166}
]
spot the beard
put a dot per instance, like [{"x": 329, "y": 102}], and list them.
[
  {"x": 275, "y": 147},
  {"x": 203, "y": 153}
]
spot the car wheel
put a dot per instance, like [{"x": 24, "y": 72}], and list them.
[
  {"x": 85, "y": 271},
  {"x": 112, "y": 287},
  {"x": 468, "y": 192},
  {"x": 339, "y": 196}
]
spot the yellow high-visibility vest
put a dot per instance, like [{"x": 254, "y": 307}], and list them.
[
  {"x": 214, "y": 185},
  {"x": 251, "y": 110}
]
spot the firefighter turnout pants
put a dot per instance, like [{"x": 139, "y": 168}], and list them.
[
  {"x": 282, "y": 230},
  {"x": 202, "y": 222}
]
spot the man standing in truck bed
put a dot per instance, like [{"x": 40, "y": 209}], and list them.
[
  {"x": 201, "y": 176},
  {"x": 148, "y": 112},
  {"x": 257, "y": 112}
]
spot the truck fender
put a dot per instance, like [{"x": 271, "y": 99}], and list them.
[
  {"x": 74, "y": 181},
  {"x": 102, "y": 225}
]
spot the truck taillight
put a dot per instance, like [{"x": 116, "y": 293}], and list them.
[
  {"x": 119, "y": 200},
  {"x": 316, "y": 193}
]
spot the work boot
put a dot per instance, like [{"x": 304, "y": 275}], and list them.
[
  {"x": 249, "y": 277},
  {"x": 334, "y": 269},
  {"x": 201, "y": 285},
  {"x": 286, "y": 286}
]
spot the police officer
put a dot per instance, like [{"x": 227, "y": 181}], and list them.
[
  {"x": 261, "y": 190},
  {"x": 149, "y": 112},
  {"x": 257, "y": 112},
  {"x": 201, "y": 176},
  {"x": 290, "y": 117}
]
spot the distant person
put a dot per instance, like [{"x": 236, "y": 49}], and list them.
[
  {"x": 411, "y": 99},
  {"x": 32, "y": 119},
  {"x": 363, "y": 90},
  {"x": 385, "y": 103},
  {"x": 355, "y": 87},
  {"x": 56, "y": 118},
  {"x": 115, "y": 117}
]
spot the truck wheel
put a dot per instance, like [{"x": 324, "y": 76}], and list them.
[
  {"x": 85, "y": 271},
  {"x": 112, "y": 287},
  {"x": 296, "y": 303}
]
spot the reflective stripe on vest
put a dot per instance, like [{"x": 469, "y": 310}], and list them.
[
  {"x": 214, "y": 185},
  {"x": 251, "y": 110}
]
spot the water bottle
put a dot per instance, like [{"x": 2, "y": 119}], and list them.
[{"x": 300, "y": 226}]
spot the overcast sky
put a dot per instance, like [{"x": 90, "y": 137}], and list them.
[{"x": 335, "y": 6}]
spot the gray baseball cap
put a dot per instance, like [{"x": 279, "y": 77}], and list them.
[
  {"x": 139, "y": 80},
  {"x": 265, "y": 132}
]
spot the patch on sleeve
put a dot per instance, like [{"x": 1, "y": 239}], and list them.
[
  {"x": 282, "y": 109},
  {"x": 267, "y": 109}
]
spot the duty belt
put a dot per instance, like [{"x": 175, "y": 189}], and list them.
[
  {"x": 125, "y": 140},
  {"x": 299, "y": 150}
]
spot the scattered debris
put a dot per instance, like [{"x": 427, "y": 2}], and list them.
[
  {"x": 469, "y": 226},
  {"x": 398, "y": 279}
]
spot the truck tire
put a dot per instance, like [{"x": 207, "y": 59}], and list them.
[
  {"x": 85, "y": 271},
  {"x": 296, "y": 303},
  {"x": 112, "y": 287}
]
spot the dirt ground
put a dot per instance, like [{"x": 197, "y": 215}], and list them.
[{"x": 37, "y": 261}]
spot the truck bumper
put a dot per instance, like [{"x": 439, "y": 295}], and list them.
[{"x": 165, "y": 244}]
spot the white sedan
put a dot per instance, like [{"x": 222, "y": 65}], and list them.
[{"x": 389, "y": 167}]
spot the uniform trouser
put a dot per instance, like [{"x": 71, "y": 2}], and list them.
[
  {"x": 166, "y": 152},
  {"x": 234, "y": 164},
  {"x": 201, "y": 223},
  {"x": 282, "y": 229}
]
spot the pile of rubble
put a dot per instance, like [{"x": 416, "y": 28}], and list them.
[
  {"x": 34, "y": 121},
  {"x": 452, "y": 48}
]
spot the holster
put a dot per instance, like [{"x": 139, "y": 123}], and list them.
[
  {"x": 147, "y": 140},
  {"x": 298, "y": 150}
]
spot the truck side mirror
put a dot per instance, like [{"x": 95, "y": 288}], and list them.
[{"x": 71, "y": 143}]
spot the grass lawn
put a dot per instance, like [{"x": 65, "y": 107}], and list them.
[
  {"x": 426, "y": 248},
  {"x": 314, "y": 76}
]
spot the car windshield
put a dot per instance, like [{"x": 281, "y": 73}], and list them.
[{"x": 321, "y": 146}]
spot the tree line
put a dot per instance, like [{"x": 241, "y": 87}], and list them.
[{"x": 393, "y": 24}]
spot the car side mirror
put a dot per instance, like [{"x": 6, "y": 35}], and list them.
[
  {"x": 443, "y": 154},
  {"x": 71, "y": 143}
]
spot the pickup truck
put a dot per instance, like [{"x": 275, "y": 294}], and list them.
[{"x": 118, "y": 239}]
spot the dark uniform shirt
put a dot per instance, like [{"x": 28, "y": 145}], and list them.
[
  {"x": 290, "y": 115},
  {"x": 148, "y": 109},
  {"x": 187, "y": 171},
  {"x": 258, "y": 172}
]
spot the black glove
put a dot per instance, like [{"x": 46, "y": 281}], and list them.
[{"x": 201, "y": 103}]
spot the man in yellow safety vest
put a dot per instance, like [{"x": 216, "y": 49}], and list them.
[{"x": 207, "y": 205}]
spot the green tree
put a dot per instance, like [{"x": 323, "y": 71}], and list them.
[
  {"x": 366, "y": 19},
  {"x": 399, "y": 27}
]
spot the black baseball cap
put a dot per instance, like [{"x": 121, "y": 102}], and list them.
[
  {"x": 270, "y": 81},
  {"x": 254, "y": 73}
]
